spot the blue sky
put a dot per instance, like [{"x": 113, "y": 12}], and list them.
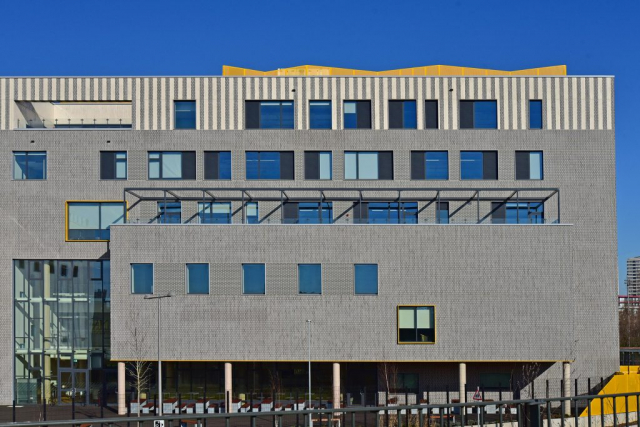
[{"x": 196, "y": 37}]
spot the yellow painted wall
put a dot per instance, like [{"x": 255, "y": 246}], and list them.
[{"x": 627, "y": 380}]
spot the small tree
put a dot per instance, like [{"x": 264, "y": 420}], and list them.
[{"x": 138, "y": 369}]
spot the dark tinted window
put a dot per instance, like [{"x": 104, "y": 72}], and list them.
[
  {"x": 479, "y": 165},
  {"x": 535, "y": 114},
  {"x": 478, "y": 115},
  {"x": 320, "y": 114},
  {"x": 357, "y": 114},
  {"x": 402, "y": 115},
  {"x": 269, "y": 115},
  {"x": 185, "y": 114},
  {"x": 431, "y": 114},
  {"x": 217, "y": 165},
  {"x": 269, "y": 164}
]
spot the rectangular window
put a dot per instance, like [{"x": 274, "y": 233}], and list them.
[
  {"x": 535, "y": 114},
  {"x": 431, "y": 114},
  {"x": 478, "y": 115},
  {"x": 253, "y": 279},
  {"x": 517, "y": 213},
  {"x": 320, "y": 114},
  {"x": 185, "y": 114},
  {"x": 479, "y": 165},
  {"x": 307, "y": 213},
  {"x": 217, "y": 165},
  {"x": 214, "y": 212},
  {"x": 366, "y": 279},
  {"x": 169, "y": 213},
  {"x": 251, "y": 212},
  {"x": 385, "y": 213},
  {"x": 310, "y": 279},
  {"x": 113, "y": 165},
  {"x": 91, "y": 220},
  {"x": 529, "y": 165},
  {"x": 269, "y": 115},
  {"x": 357, "y": 114},
  {"x": 416, "y": 324},
  {"x": 172, "y": 165},
  {"x": 429, "y": 165},
  {"x": 442, "y": 213},
  {"x": 269, "y": 164},
  {"x": 197, "y": 278},
  {"x": 368, "y": 165},
  {"x": 29, "y": 165},
  {"x": 402, "y": 115},
  {"x": 406, "y": 383},
  {"x": 141, "y": 278},
  {"x": 317, "y": 165}
]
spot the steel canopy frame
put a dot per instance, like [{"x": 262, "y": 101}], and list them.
[{"x": 287, "y": 194}]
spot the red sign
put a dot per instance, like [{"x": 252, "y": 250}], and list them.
[{"x": 477, "y": 395}]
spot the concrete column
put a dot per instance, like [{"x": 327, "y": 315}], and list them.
[
  {"x": 336, "y": 385},
  {"x": 228, "y": 392},
  {"x": 566, "y": 386},
  {"x": 462, "y": 381},
  {"x": 122, "y": 390}
]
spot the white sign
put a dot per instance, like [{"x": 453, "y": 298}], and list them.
[{"x": 158, "y": 423}]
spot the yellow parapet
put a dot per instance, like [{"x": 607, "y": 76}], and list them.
[
  {"x": 429, "y": 70},
  {"x": 627, "y": 380}
]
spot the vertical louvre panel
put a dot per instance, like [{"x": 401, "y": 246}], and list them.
[
  {"x": 466, "y": 115},
  {"x": 252, "y": 114},
  {"x": 211, "y": 159},
  {"x": 498, "y": 212},
  {"x": 417, "y": 165},
  {"x": 107, "y": 165},
  {"x": 311, "y": 165},
  {"x": 363, "y": 112},
  {"x": 286, "y": 165},
  {"x": 189, "y": 165},
  {"x": 522, "y": 165},
  {"x": 290, "y": 212},
  {"x": 385, "y": 165},
  {"x": 360, "y": 212},
  {"x": 490, "y": 165},
  {"x": 431, "y": 114},
  {"x": 395, "y": 115}
]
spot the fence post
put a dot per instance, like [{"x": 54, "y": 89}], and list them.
[
  {"x": 533, "y": 411},
  {"x": 73, "y": 405},
  {"x": 14, "y": 411},
  {"x": 44, "y": 409}
]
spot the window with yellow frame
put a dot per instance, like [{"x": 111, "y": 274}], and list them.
[
  {"x": 90, "y": 220},
  {"x": 416, "y": 324}
]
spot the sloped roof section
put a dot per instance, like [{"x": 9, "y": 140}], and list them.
[{"x": 428, "y": 70}]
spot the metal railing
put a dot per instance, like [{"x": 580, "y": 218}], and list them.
[
  {"x": 577, "y": 411},
  {"x": 77, "y": 123}
]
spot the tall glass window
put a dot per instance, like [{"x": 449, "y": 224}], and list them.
[
  {"x": 416, "y": 324},
  {"x": 251, "y": 212},
  {"x": 29, "y": 165},
  {"x": 141, "y": 278},
  {"x": 214, "y": 212},
  {"x": 535, "y": 114},
  {"x": 185, "y": 114},
  {"x": 320, "y": 114},
  {"x": 366, "y": 279},
  {"x": 310, "y": 279},
  {"x": 92, "y": 220},
  {"x": 253, "y": 279},
  {"x": 197, "y": 278},
  {"x": 61, "y": 329}
]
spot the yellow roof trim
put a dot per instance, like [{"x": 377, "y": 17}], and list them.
[{"x": 428, "y": 70}]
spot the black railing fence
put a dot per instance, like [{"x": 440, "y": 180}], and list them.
[{"x": 576, "y": 411}]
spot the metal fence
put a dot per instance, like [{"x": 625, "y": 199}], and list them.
[{"x": 577, "y": 411}]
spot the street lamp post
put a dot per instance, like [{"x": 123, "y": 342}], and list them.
[
  {"x": 159, "y": 297},
  {"x": 309, "y": 339}
]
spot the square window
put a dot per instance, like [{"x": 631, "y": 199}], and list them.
[
  {"x": 529, "y": 165},
  {"x": 253, "y": 279},
  {"x": 29, "y": 165},
  {"x": 185, "y": 114},
  {"x": 366, "y": 279},
  {"x": 402, "y": 115},
  {"x": 310, "y": 279},
  {"x": 320, "y": 114},
  {"x": 141, "y": 278},
  {"x": 416, "y": 324},
  {"x": 197, "y": 278},
  {"x": 113, "y": 165},
  {"x": 357, "y": 114}
]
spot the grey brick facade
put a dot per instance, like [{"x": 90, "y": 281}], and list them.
[{"x": 503, "y": 293}]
